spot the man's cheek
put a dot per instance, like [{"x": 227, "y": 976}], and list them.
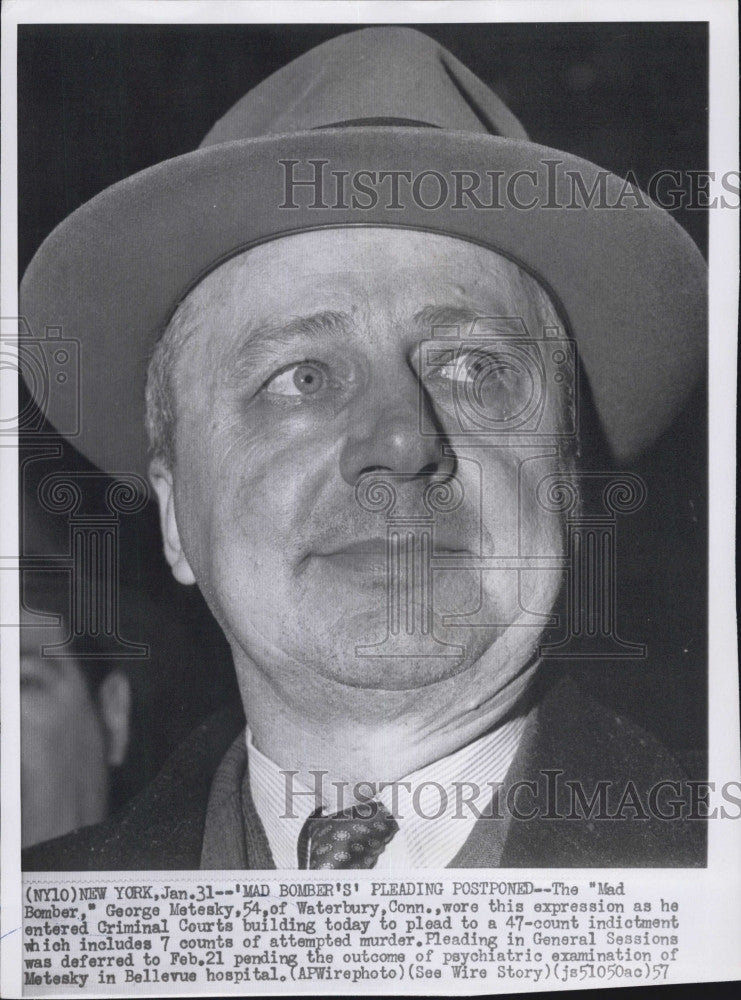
[
  {"x": 215, "y": 481},
  {"x": 276, "y": 479},
  {"x": 282, "y": 472},
  {"x": 540, "y": 526},
  {"x": 491, "y": 491}
]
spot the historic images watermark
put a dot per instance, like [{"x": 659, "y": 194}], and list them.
[
  {"x": 551, "y": 795},
  {"x": 91, "y": 503},
  {"x": 315, "y": 184},
  {"x": 50, "y": 365}
]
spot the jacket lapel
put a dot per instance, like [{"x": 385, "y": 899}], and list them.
[{"x": 571, "y": 742}]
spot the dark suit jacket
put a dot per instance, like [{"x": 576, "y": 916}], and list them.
[{"x": 572, "y": 738}]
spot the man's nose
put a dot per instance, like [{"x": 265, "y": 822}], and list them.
[{"x": 386, "y": 435}]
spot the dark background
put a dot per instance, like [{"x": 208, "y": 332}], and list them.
[{"x": 98, "y": 103}]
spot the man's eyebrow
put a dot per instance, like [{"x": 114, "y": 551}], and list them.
[
  {"x": 431, "y": 317},
  {"x": 260, "y": 342}
]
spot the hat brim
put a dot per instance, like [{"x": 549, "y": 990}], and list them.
[{"x": 630, "y": 282}]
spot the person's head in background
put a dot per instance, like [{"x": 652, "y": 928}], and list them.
[{"x": 75, "y": 719}]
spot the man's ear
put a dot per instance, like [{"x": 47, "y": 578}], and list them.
[
  {"x": 114, "y": 706},
  {"x": 160, "y": 477}
]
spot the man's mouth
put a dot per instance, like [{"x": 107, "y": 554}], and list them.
[{"x": 371, "y": 554}]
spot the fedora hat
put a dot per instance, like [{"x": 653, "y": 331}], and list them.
[{"x": 379, "y": 127}]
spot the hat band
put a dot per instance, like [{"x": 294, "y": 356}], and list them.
[{"x": 397, "y": 122}]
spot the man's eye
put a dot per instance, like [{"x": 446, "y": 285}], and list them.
[
  {"x": 476, "y": 368},
  {"x": 304, "y": 379},
  {"x": 494, "y": 385}
]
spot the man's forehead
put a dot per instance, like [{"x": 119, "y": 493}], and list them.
[
  {"x": 377, "y": 247},
  {"x": 425, "y": 279}
]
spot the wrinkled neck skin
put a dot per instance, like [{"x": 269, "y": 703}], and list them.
[{"x": 354, "y": 734}]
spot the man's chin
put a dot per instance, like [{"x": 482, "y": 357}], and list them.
[
  {"x": 400, "y": 673},
  {"x": 368, "y": 654}
]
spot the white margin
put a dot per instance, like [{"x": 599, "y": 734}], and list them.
[{"x": 717, "y": 929}]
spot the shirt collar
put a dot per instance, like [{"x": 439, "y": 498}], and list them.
[{"x": 430, "y": 804}]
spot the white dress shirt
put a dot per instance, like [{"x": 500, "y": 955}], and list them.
[{"x": 429, "y": 804}]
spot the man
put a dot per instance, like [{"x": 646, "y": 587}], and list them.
[
  {"x": 364, "y": 414},
  {"x": 74, "y": 732},
  {"x": 80, "y": 706}
]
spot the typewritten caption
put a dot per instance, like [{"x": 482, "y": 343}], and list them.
[{"x": 218, "y": 932}]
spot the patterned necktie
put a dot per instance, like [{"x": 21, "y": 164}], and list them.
[{"x": 353, "y": 838}]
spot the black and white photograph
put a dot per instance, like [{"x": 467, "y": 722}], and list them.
[{"x": 364, "y": 453}]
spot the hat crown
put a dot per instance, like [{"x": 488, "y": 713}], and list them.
[{"x": 386, "y": 76}]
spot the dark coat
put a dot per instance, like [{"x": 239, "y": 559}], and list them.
[{"x": 573, "y": 739}]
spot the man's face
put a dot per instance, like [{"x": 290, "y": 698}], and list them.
[{"x": 307, "y": 374}]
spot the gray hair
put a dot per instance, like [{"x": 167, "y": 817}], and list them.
[{"x": 160, "y": 388}]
